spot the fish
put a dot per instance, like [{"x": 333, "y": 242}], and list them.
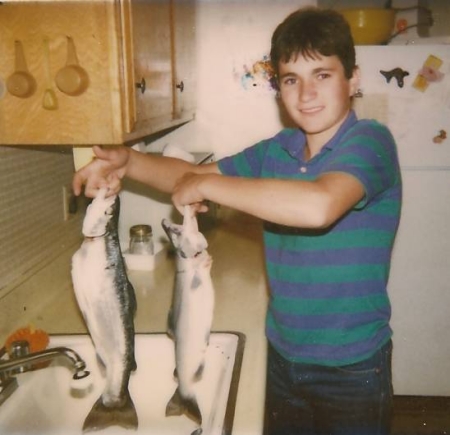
[
  {"x": 191, "y": 314},
  {"x": 107, "y": 301}
]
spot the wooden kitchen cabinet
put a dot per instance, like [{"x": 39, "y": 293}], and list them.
[
  {"x": 184, "y": 49},
  {"x": 139, "y": 57}
]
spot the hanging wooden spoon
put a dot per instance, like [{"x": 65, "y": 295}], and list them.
[
  {"x": 20, "y": 83},
  {"x": 49, "y": 102},
  {"x": 72, "y": 79}
]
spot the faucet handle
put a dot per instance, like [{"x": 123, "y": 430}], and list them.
[{"x": 19, "y": 348}]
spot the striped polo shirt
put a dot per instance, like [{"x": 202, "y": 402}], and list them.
[{"x": 328, "y": 288}]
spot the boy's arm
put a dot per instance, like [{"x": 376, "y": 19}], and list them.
[
  {"x": 307, "y": 204},
  {"x": 113, "y": 164},
  {"x": 162, "y": 172}
]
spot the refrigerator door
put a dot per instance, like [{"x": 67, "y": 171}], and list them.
[
  {"x": 420, "y": 276},
  {"x": 416, "y": 118},
  {"x": 419, "y": 286}
]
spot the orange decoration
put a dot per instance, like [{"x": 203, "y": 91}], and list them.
[
  {"x": 402, "y": 24},
  {"x": 37, "y": 338}
]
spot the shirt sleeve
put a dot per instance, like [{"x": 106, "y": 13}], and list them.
[
  {"x": 369, "y": 153},
  {"x": 247, "y": 163}
]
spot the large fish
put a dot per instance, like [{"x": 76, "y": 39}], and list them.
[
  {"x": 107, "y": 301},
  {"x": 191, "y": 313}
]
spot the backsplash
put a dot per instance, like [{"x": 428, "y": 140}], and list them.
[{"x": 32, "y": 227}]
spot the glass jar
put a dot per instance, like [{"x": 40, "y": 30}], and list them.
[{"x": 141, "y": 240}]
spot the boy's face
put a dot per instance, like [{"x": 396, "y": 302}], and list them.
[{"x": 316, "y": 95}]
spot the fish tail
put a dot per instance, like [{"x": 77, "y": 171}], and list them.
[
  {"x": 179, "y": 405},
  {"x": 101, "y": 416}
]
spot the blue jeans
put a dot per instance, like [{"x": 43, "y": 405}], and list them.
[{"x": 307, "y": 399}]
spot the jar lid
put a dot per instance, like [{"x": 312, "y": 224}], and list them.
[{"x": 140, "y": 230}]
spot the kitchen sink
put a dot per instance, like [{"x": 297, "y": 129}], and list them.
[{"x": 49, "y": 402}]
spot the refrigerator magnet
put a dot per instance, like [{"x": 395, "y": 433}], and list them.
[
  {"x": 397, "y": 73},
  {"x": 429, "y": 73},
  {"x": 440, "y": 137}
]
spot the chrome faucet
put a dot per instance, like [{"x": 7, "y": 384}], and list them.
[
  {"x": 21, "y": 361},
  {"x": 27, "y": 361}
]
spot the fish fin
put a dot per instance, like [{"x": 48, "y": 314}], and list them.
[
  {"x": 175, "y": 405},
  {"x": 184, "y": 405},
  {"x": 192, "y": 410},
  {"x": 132, "y": 294},
  {"x": 175, "y": 374},
  {"x": 101, "y": 416},
  {"x": 171, "y": 324},
  {"x": 196, "y": 282},
  {"x": 199, "y": 373}
]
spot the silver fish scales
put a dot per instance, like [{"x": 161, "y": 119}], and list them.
[
  {"x": 107, "y": 301},
  {"x": 191, "y": 314}
]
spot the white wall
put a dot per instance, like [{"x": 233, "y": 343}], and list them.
[{"x": 234, "y": 35}]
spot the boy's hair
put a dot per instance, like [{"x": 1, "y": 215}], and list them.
[{"x": 309, "y": 31}]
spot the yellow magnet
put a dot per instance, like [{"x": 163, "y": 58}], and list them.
[{"x": 429, "y": 69}]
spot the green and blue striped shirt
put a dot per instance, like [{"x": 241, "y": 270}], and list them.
[{"x": 329, "y": 303}]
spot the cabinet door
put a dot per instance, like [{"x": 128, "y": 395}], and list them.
[
  {"x": 40, "y": 30},
  {"x": 184, "y": 57},
  {"x": 152, "y": 63}
]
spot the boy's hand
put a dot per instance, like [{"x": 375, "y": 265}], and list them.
[
  {"x": 106, "y": 170},
  {"x": 187, "y": 191}
]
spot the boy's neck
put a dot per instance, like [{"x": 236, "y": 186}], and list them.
[
  {"x": 306, "y": 153},
  {"x": 316, "y": 141},
  {"x": 312, "y": 148}
]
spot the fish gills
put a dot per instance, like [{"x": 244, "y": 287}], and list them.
[
  {"x": 107, "y": 301},
  {"x": 191, "y": 313}
]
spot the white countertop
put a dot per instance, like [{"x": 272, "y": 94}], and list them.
[{"x": 241, "y": 300}]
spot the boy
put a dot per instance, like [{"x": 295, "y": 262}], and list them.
[{"x": 329, "y": 192}]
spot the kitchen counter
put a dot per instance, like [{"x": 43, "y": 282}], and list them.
[{"x": 241, "y": 300}]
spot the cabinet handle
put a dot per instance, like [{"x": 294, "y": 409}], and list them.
[
  {"x": 180, "y": 86},
  {"x": 142, "y": 85}
]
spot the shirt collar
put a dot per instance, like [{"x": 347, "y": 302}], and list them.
[{"x": 295, "y": 143}]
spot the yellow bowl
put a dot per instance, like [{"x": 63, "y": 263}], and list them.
[{"x": 370, "y": 26}]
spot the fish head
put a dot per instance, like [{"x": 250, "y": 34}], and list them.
[
  {"x": 188, "y": 243},
  {"x": 100, "y": 214}
]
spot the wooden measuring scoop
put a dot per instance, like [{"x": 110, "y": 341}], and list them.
[
  {"x": 49, "y": 102},
  {"x": 72, "y": 79},
  {"x": 20, "y": 83}
]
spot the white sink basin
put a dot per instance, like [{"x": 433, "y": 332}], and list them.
[{"x": 47, "y": 403}]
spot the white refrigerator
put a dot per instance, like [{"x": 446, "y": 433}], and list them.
[{"x": 419, "y": 286}]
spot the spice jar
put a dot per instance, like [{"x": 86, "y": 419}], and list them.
[{"x": 141, "y": 240}]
